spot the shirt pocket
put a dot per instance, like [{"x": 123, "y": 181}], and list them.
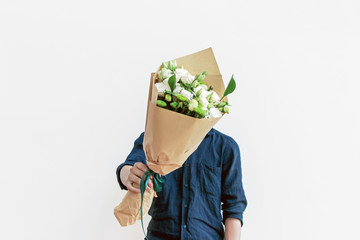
[{"x": 210, "y": 180}]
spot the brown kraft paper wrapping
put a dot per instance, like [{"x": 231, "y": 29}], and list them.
[
  {"x": 128, "y": 211},
  {"x": 170, "y": 137}
]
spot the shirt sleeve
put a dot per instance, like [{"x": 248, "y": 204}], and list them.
[
  {"x": 232, "y": 196},
  {"x": 136, "y": 155}
]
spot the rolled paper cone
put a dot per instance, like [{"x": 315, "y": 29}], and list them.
[
  {"x": 128, "y": 211},
  {"x": 167, "y": 152}
]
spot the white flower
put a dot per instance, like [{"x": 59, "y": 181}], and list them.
[
  {"x": 227, "y": 109},
  {"x": 172, "y": 65},
  {"x": 184, "y": 76},
  {"x": 214, "y": 97},
  {"x": 164, "y": 73},
  {"x": 203, "y": 91},
  {"x": 161, "y": 87},
  {"x": 186, "y": 94},
  {"x": 204, "y": 102},
  {"x": 178, "y": 89},
  {"x": 193, "y": 104},
  {"x": 203, "y": 86},
  {"x": 214, "y": 113},
  {"x": 198, "y": 88}
]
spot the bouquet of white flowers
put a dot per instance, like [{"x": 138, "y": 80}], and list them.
[
  {"x": 182, "y": 92},
  {"x": 183, "y": 106}
]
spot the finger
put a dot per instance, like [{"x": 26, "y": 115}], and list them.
[
  {"x": 132, "y": 189},
  {"x": 141, "y": 166},
  {"x": 134, "y": 179},
  {"x": 136, "y": 171},
  {"x": 134, "y": 185},
  {"x": 136, "y": 188},
  {"x": 150, "y": 183}
]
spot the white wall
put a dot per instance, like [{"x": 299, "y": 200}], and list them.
[{"x": 67, "y": 67}]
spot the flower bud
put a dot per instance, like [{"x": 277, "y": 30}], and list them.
[
  {"x": 199, "y": 92},
  {"x": 200, "y": 111},
  {"x": 227, "y": 109},
  {"x": 194, "y": 84},
  {"x": 201, "y": 77},
  {"x": 164, "y": 65},
  {"x": 168, "y": 97},
  {"x": 181, "y": 97},
  {"x": 161, "y": 103},
  {"x": 193, "y": 104},
  {"x": 174, "y": 105},
  {"x": 171, "y": 65},
  {"x": 222, "y": 104},
  {"x": 203, "y": 84},
  {"x": 165, "y": 73},
  {"x": 209, "y": 96}
]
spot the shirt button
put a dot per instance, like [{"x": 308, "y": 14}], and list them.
[
  {"x": 185, "y": 205},
  {"x": 185, "y": 226},
  {"x": 185, "y": 185}
]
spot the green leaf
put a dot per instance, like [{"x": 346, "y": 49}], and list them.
[
  {"x": 172, "y": 82},
  {"x": 230, "y": 87}
]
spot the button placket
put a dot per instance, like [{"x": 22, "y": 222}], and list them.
[{"x": 185, "y": 171}]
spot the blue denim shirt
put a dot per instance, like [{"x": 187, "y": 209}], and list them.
[{"x": 190, "y": 204}]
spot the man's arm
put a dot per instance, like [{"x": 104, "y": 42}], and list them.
[
  {"x": 232, "y": 194},
  {"x": 232, "y": 229},
  {"x": 130, "y": 172}
]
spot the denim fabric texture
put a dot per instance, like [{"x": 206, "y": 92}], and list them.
[{"x": 198, "y": 197}]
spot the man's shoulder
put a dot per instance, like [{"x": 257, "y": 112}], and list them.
[{"x": 224, "y": 138}]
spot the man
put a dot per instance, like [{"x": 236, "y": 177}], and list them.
[{"x": 189, "y": 206}]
